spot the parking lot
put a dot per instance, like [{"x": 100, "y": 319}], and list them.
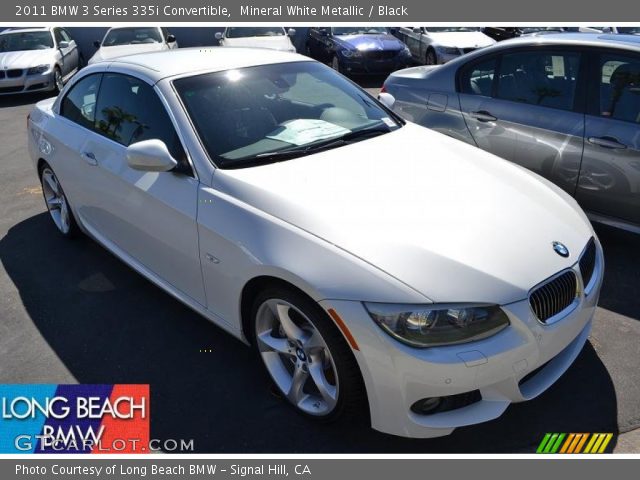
[{"x": 71, "y": 312}]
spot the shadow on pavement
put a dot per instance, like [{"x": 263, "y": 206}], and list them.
[
  {"x": 23, "y": 99},
  {"x": 109, "y": 325},
  {"x": 621, "y": 288}
]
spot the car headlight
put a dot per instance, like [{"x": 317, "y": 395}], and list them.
[
  {"x": 350, "y": 53},
  {"x": 438, "y": 324},
  {"x": 448, "y": 50},
  {"x": 38, "y": 69}
]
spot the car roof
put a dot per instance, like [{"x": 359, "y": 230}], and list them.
[
  {"x": 25, "y": 29},
  {"x": 188, "y": 61},
  {"x": 631, "y": 42}
]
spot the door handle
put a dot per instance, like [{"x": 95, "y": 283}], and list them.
[
  {"x": 483, "y": 116},
  {"x": 90, "y": 158},
  {"x": 607, "y": 142}
]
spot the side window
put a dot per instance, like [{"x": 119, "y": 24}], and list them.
[
  {"x": 548, "y": 79},
  {"x": 79, "y": 105},
  {"x": 57, "y": 34},
  {"x": 477, "y": 78},
  {"x": 620, "y": 87},
  {"x": 65, "y": 35},
  {"x": 130, "y": 111}
]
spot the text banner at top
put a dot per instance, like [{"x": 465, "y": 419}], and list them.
[{"x": 483, "y": 12}]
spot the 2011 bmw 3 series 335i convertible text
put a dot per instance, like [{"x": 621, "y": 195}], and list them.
[{"x": 374, "y": 265}]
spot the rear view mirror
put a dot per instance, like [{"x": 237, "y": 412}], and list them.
[
  {"x": 291, "y": 32},
  {"x": 218, "y": 35},
  {"x": 387, "y": 100},
  {"x": 150, "y": 156},
  {"x": 171, "y": 38},
  {"x": 63, "y": 44},
  {"x": 96, "y": 43}
]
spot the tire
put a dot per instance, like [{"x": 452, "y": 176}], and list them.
[
  {"x": 57, "y": 203},
  {"x": 306, "y": 356},
  {"x": 430, "y": 58},
  {"x": 58, "y": 83}
]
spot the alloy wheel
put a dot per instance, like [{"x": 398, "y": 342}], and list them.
[
  {"x": 297, "y": 357},
  {"x": 56, "y": 201},
  {"x": 57, "y": 78}
]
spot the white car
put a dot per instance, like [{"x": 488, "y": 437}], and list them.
[
  {"x": 437, "y": 45},
  {"x": 274, "y": 38},
  {"x": 37, "y": 59},
  {"x": 121, "y": 41},
  {"x": 376, "y": 267}
]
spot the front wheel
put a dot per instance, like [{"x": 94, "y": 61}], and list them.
[
  {"x": 431, "y": 57},
  {"x": 306, "y": 356},
  {"x": 58, "y": 82},
  {"x": 57, "y": 203}
]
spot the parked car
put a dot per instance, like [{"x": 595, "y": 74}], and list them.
[
  {"x": 275, "y": 38},
  {"x": 37, "y": 59},
  {"x": 364, "y": 50},
  {"x": 565, "y": 106},
  {"x": 436, "y": 45},
  {"x": 374, "y": 265},
  {"x": 120, "y": 41}
]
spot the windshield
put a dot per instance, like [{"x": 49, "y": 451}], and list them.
[
  {"x": 451, "y": 29},
  {"x": 20, "y": 41},
  {"x": 629, "y": 30},
  {"x": 240, "y": 32},
  {"x": 359, "y": 31},
  {"x": 247, "y": 116},
  {"x": 132, "y": 36}
]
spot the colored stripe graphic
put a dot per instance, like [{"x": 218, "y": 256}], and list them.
[
  {"x": 574, "y": 443},
  {"x": 74, "y": 418},
  {"x": 80, "y": 428},
  {"x": 127, "y": 435},
  {"x": 17, "y": 434}
]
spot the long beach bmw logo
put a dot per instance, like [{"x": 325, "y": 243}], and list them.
[{"x": 560, "y": 249}]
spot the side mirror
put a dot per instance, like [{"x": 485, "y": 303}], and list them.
[
  {"x": 63, "y": 44},
  {"x": 171, "y": 38},
  {"x": 417, "y": 30},
  {"x": 323, "y": 32},
  {"x": 96, "y": 43},
  {"x": 291, "y": 32},
  {"x": 387, "y": 100},
  {"x": 150, "y": 156},
  {"x": 219, "y": 35},
  {"x": 607, "y": 30}
]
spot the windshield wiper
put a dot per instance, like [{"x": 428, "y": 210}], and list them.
[{"x": 279, "y": 155}]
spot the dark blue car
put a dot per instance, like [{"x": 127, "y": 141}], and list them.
[{"x": 358, "y": 50}]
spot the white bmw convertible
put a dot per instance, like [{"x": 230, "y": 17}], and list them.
[{"x": 374, "y": 265}]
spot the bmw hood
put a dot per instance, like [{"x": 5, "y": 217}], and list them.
[
  {"x": 109, "y": 53},
  {"x": 453, "y": 222},
  {"x": 279, "y": 42},
  {"x": 370, "y": 42},
  {"x": 461, "y": 39},
  {"x": 26, "y": 58}
]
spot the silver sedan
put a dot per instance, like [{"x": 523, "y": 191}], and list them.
[
  {"x": 37, "y": 59},
  {"x": 566, "y": 106}
]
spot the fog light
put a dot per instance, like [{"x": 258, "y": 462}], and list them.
[{"x": 426, "y": 406}]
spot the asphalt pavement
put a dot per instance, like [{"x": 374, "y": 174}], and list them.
[{"x": 71, "y": 312}]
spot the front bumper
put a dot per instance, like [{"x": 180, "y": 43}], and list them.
[
  {"x": 27, "y": 83},
  {"x": 515, "y": 365},
  {"x": 367, "y": 66}
]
